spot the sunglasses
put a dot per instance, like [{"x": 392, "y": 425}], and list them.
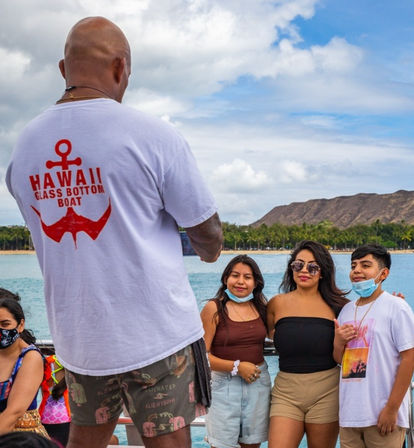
[{"x": 312, "y": 267}]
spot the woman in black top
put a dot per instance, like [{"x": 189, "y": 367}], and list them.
[{"x": 305, "y": 393}]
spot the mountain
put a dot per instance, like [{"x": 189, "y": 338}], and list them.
[{"x": 346, "y": 211}]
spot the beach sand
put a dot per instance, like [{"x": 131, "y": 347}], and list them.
[
  {"x": 229, "y": 252},
  {"x": 17, "y": 252},
  {"x": 288, "y": 251}
]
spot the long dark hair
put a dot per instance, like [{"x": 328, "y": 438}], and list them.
[
  {"x": 259, "y": 300},
  {"x": 10, "y": 301},
  {"x": 59, "y": 389},
  {"x": 26, "y": 440},
  {"x": 331, "y": 294}
]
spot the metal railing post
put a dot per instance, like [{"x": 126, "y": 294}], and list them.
[{"x": 409, "y": 443}]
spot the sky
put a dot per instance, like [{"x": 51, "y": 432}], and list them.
[{"x": 281, "y": 101}]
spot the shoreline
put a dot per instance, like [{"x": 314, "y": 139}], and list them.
[
  {"x": 232, "y": 252},
  {"x": 289, "y": 251},
  {"x": 17, "y": 252}
]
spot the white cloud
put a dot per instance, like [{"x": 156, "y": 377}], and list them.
[
  {"x": 9, "y": 212},
  {"x": 240, "y": 177},
  {"x": 298, "y": 165},
  {"x": 156, "y": 104},
  {"x": 8, "y": 136},
  {"x": 337, "y": 56},
  {"x": 292, "y": 171},
  {"x": 186, "y": 49},
  {"x": 14, "y": 69},
  {"x": 180, "y": 49},
  {"x": 320, "y": 121},
  {"x": 238, "y": 208},
  {"x": 340, "y": 94}
]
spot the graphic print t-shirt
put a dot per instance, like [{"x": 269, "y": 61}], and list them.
[
  {"x": 102, "y": 188},
  {"x": 370, "y": 361}
]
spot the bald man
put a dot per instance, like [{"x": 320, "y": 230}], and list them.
[{"x": 103, "y": 189}]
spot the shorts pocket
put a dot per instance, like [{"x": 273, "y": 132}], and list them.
[
  {"x": 218, "y": 381},
  {"x": 265, "y": 380}
]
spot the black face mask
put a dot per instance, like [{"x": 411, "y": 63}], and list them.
[{"x": 8, "y": 337}]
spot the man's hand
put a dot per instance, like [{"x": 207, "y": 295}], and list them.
[
  {"x": 387, "y": 420},
  {"x": 399, "y": 294},
  {"x": 344, "y": 333}
]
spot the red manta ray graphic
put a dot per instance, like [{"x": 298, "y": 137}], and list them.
[{"x": 74, "y": 223}]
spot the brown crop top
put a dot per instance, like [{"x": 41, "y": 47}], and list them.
[{"x": 239, "y": 340}]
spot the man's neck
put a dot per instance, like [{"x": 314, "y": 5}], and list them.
[
  {"x": 374, "y": 296},
  {"x": 82, "y": 92}
]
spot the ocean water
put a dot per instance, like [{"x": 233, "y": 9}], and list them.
[{"x": 21, "y": 273}]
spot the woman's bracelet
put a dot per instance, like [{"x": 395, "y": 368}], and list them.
[{"x": 235, "y": 367}]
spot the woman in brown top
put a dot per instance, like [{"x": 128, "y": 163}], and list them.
[{"x": 235, "y": 330}]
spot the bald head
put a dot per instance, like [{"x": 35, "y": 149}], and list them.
[
  {"x": 95, "y": 38},
  {"x": 93, "y": 47}
]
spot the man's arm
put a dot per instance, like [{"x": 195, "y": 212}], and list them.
[
  {"x": 207, "y": 238},
  {"x": 388, "y": 416}
]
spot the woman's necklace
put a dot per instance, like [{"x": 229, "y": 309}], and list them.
[
  {"x": 234, "y": 308},
  {"x": 363, "y": 317}
]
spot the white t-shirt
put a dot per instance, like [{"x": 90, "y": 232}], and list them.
[
  {"x": 370, "y": 362},
  {"x": 102, "y": 188}
]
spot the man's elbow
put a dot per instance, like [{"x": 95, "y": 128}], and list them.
[
  {"x": 207, "y": 238},
  {"x": 211, "y": 257}
]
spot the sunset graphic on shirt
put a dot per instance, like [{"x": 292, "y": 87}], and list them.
[{"x": 355, "y": 359}]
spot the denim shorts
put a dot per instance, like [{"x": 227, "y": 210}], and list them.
[{"x": 239, "y": 411}]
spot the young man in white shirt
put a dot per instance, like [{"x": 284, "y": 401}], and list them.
[{"x": 374, "y": 340}]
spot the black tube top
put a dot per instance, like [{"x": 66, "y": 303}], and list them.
[{"x": 305, "y": 344}]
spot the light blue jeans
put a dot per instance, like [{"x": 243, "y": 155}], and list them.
[{"x": 239, "y": 411}]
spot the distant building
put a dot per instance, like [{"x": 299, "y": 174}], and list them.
[{"x": 186, "y": 244}]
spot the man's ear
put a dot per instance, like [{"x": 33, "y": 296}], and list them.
[
  {"x": 62, "y": 68},
  {"x": 118, "y": 68},
  {"x": 384, "y": 274}
]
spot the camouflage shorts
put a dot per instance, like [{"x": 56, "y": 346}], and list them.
[{"x": 160, "y": 398}]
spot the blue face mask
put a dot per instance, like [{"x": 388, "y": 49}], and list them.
[
  {"x": 238, "y": 299},
  {"x": 365, "y": 288}
]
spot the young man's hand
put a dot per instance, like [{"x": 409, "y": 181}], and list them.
[
  {"x": 387, "y": 420},
  {"x": 344, "y": 333}
]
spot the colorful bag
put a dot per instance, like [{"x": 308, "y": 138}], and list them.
[
  {"x": 30, "y": 422},
  {"x": 53, "y": 411}
]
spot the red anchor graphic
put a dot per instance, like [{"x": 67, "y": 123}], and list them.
[
  {"x": 64, "y": 156},
  {"x": 71, "y": 222}
]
